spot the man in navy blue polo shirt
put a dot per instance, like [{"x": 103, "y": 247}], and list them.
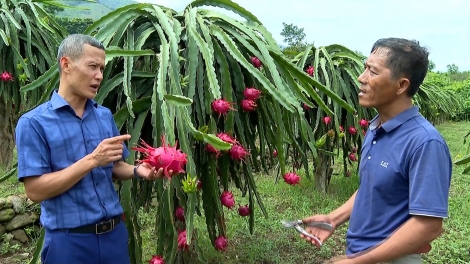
[
  {"x": 405, "y": 169},
  {"x": 69, "y": 149}
]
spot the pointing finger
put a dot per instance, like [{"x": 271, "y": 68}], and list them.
[{"x": 119, "y": 139}]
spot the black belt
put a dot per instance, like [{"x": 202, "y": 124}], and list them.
[{"x": 100, "y": 228}]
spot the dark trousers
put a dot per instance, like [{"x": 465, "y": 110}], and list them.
[{"x": 77, "y": 248}]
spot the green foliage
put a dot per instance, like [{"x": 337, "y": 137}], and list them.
[
  {"x": 461, "y": 90},
  {"x": 94, "y": 10},
  {"x": 74, "y": 25}
]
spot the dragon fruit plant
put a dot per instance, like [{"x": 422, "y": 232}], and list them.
[{"x": 201, "y": 103}]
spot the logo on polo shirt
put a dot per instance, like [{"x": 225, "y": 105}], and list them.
[{"x": 384, "y": 164}]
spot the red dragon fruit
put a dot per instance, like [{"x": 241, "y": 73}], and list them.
[
  {"x": 213, "y": 150},
  {"x": 179, "y": 213},
  {"x": 352, "y": 157},
  {"x": 221, "y": 106},
  {"x": 237, "y": 152},
  {"x": 221, "y": 243},
  {"x": 275, "y": 153},
  {"x": 256, "y": 62},
  {"x": 310, "y": 70},
  {"x": 182, "y": 244},
  {"x": 291, "y": 178},
  {"x": 327, "y": 120},
  {"x": 166, "y": 157},
  {"x": 227, "y": 200},
  {"x": 6, "y": 77},
  {"x": 363, "y": 123},
  {"x": 227, "y": 138},
  {"x": 157, "y": 260},
  {"x": 352, "y": 130},
  {"x": 244, "y": 210},
  {"x": 341, "y": 128},
  {"x": 248, "y": 105},
  {"x": 251, "y": 93}
]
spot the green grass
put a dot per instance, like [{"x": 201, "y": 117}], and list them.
[{"x": 271, "y": 243}]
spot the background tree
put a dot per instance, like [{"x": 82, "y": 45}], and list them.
[
  {"x": 431, "y": 66},
  {"x": 72, "y": 25},
  {"x": 294, "y": 37},
  {"x": 452, "y": 69}
]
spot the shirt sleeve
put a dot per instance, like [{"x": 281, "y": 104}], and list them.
[
  {"x": 125, "y": 151},
  {"x": 33, "y": 151},
  {"x": 430, "y": 172}
]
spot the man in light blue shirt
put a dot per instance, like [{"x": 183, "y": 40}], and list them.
[
  {"x": 69, "y": 150},
  {"x": 405, "y": 169}
]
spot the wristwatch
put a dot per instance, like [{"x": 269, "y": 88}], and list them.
[{"x": 135, "y": 172}]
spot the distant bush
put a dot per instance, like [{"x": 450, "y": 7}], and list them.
[{"x": 462, "y": 90}]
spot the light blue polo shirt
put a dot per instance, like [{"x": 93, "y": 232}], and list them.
[
  {"x": 50, "y": 138},
  {"x": 405, "y": 170}
]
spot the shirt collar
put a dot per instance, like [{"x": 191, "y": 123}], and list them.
[
  {"x": 58, "y": 101},
  {"x": 396, "y": 121}
]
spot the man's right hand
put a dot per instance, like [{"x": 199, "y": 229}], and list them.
[
  {"x": 321, "y": 234},
  {"x": 109, "y": 150}
]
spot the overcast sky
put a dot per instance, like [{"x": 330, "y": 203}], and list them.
[{"x": 443, "y": 26}]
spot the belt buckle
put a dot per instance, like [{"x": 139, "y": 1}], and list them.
[{"x": 105, "y": 229}]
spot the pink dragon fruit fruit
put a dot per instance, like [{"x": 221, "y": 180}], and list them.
[
  {"x": 238, "y": 153},
  {"x": 227, "y": 138},
  {"x": 352, "y": 130},
  {"x": 363, "y": 123},
  {"x": 256, "y": 62},
  {"x": 179, "y": 213},
  {"x": 221, "y": 106},
  {"x": 310, "y": 70},
  {"x": 248, "y": 105},
  {"x": 291, "y": 178},
  {"x": 213, "y": 150},
  {"x": 6, "y": 77},
  {"x": 352, "y": 157},
  {"x": 227, "y": 200},
  {"x": 251, "y": 93},
  {"x": 327, "y": 120},
  {"x": 157, "y": 260},
  {"x": 244, "y": 210},
  {"x": 221, "y": 243},
  {"x": 182, "y": 244},
  {"x": 166, "y": 157}
]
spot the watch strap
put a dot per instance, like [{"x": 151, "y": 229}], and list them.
[{"x": 135, "y": 172}]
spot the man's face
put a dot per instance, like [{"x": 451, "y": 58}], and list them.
[
  {"x": 86, "y": 73},
  {"x": 378, "y": 89}
]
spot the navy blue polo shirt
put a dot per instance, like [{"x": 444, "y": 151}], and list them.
[
  {"x": 405, "y": 170},
  {"x": 52, "y": 137}
]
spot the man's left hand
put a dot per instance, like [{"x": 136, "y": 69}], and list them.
[{"x": 147, "y": 172}]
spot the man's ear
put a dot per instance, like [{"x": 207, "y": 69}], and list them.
[
  {"x": 65, "y": 64},
  {"x": 402, "y": 85}
]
